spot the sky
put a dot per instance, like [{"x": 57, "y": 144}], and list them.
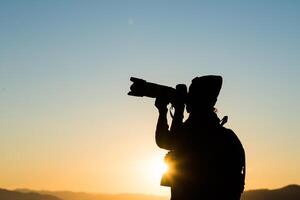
[{"x": 66, "y": 122}]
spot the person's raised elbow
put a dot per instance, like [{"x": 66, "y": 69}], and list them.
[{"x": 162, "y": 142}]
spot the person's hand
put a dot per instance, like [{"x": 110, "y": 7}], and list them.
[{"x": 161, "y": 104}]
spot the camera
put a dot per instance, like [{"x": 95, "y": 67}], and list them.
[{"x": 142, "y": 88}]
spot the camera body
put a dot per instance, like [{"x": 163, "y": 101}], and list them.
[{"x": 141, "y": 88}]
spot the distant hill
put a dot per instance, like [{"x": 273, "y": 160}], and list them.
[
  {"x": 290, "y": 192},
  {"x": 67, "y": 195},
  {"x": 15, "y": 195}
]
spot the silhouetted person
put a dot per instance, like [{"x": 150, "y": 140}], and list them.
[{"x": 207, "y": 161}]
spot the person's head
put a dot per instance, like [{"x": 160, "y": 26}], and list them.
[{"x": 203, "y": 93}]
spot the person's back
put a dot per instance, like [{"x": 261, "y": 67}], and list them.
[{"x": 209, "y": 159}]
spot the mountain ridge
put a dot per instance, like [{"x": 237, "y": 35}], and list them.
[
  {"x": 16, "y": 195},
  {"x": 289, "y": 192}
]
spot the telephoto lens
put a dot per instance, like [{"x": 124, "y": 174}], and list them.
[{"x": 141, "y": 88}]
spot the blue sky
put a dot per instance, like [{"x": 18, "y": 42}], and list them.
[{"x": 65, "y": 68}]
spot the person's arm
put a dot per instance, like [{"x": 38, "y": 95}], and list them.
[
  {"x": 162, "y": 133},
  {"x": 164, "y": 137}
]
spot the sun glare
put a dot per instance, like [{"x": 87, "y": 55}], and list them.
[
  {"x": 160, "y": 168},
  {"x": 156, "y": 167}
]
